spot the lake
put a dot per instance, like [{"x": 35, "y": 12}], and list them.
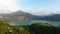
[{"x": 17, "y": 23}]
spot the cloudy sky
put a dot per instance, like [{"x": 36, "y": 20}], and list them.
[{"x": 37, "y": 7}]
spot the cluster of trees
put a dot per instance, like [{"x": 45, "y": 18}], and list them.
[{"x": 42, "y": 29}]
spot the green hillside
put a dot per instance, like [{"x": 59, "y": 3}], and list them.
[{"x": 37, "y": 28}]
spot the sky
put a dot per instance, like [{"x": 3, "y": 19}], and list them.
[{"x": 36, "y": 7}]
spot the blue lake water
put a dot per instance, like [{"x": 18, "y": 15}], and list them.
[{"x": 15, "y": 22}]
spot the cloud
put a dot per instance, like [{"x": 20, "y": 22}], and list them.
[
  {"x": 43, "y": 12},
  {"x": 9, "y": 5}
]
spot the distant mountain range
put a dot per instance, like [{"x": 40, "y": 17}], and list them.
[
  {"x": 54, "y": 17},
  {"x": 21, "y": 14}
]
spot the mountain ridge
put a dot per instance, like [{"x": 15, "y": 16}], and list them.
[{"x": 17, "y": 14}]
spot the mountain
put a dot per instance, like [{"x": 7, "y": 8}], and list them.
[
  {"x": 18, "y": 15},
  {"x": 55, "y": 17},
  {"x": 21, "y": 15}
]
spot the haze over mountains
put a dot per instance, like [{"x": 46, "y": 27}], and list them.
[{"x": 21, "y": 14}]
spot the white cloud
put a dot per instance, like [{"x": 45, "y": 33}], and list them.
[
  {"x": 8, "y": 5},
  {"x": 43, "y": 12}
]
